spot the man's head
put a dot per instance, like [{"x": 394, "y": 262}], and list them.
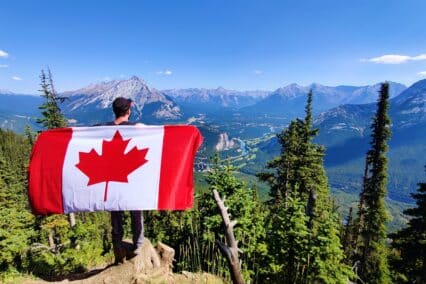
[{"x": 121, "y": 106}]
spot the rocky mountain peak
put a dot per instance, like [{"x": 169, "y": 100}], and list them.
[
  {"x": 292, "y": 90},
  {"x": 416, "y": 92},
  {"x": 316, "y": 86},
  {"x": 135, "y": 78},
  {"x": 221, "y": 89},
  {"x": 101, "y": 95}
]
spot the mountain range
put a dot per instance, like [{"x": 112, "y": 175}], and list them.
[
  {"x": 290, "y": 100},
  {"x": 241, "y": 123},
  {"x": 92, "y": 104},
  {"x": 345, "y": 132},
  {"x": 348, "y": 127},
  {"x": 195, "y": 100}
]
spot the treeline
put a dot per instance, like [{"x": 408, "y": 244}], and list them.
[
  {"x": 296, "y": 236},
  {"x": 43, "y": 246}
]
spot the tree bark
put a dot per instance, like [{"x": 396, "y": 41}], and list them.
[
  {"x": 51, "y": 241},
  {"x": 229, "y": 251},
  {"x": 72, "y": 219}
]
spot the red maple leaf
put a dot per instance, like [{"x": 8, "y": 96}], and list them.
[{"x": 112, "y": 164}]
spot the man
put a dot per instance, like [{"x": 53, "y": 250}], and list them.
[{"x": 122, "y": 110}]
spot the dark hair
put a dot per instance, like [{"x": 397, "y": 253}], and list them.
[{"x": 120, "y": 106}]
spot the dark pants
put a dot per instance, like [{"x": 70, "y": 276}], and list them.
[{"x": 117, "y": 228}]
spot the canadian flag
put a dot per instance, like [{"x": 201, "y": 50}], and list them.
[{"x": 113, "y": 168}]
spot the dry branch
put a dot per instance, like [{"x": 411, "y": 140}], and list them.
[{"x": 230, "y": 251}]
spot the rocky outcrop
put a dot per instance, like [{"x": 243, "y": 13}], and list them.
[
  {"x": 224, "y": 142},
  {"x": 152, "y": 265}
]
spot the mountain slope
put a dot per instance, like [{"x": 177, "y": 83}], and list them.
[
  {"x": 93, "y": 103},
  {"x": 196, "y": 100},
  {"x": 18, "y": 110},
  {"x": 290, "y": 100},
  {"x": 345, "y": 131}
]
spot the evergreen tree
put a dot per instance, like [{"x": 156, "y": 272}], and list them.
[
  {"x": 300, "y": 197},
  {"x": 52, "y": 116},
  {"x": 326, "y": 254},
  {"x": 29, "y": 134},
  {"x": 348, "y": 237},
  {"x": 288, "y": 241},
  {"x": 283, "y": 179},
  {"x": 410, "y": 242},
  {"x": 372, "y": 216}
]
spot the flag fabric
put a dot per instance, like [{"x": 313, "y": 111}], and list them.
[{"x": 113, "y": 168}]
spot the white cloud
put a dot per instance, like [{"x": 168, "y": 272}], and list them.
[
  {"x": 258, "y": 72},
  {"x": 395, "y": 58},
  {"x": 422, "y": 73},
  {"x": 4, "y": 54},
  {"x": 165, "y": 72},
  {"x": 16, "y": 78},
  {"x": 4, "y": 65}
]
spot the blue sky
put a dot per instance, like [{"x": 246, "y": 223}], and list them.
[{"x": 242, "y": 45}]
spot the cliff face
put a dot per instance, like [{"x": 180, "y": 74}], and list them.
[{"x": 224, "y": 143}]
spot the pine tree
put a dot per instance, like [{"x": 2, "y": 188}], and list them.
[
  {"x": 298, "y": 182},
  {"x": 372, "y": 216},
  {"x": 410, "y": 242},
  {"x": 283, "y": 179},
  {"x": 326, "y": 253},
  {"x": 348, "y": 237},
  {"x": 288, "y": 241},
  {"x": 29, "y": 134},
  {"x": 52, "y": 116}
]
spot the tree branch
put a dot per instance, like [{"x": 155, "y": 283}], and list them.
[{"x": 229, "y": 251}]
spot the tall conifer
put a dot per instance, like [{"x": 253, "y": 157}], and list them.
[
  {"x": 52, "y": 116},
  {"x": 371, "y": 247},
  {"x": 298, "y": 182}
]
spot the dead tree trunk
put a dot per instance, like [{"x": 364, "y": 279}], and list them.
[
  {"x": 51, "y": 241},
  {"x": 71, "y": 217},
  {"x": 229, "y": 251}
]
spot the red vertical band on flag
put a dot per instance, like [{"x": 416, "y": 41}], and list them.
[
  {"x": 180, "y": 144},
  {"x": 45, "y": 171}
]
